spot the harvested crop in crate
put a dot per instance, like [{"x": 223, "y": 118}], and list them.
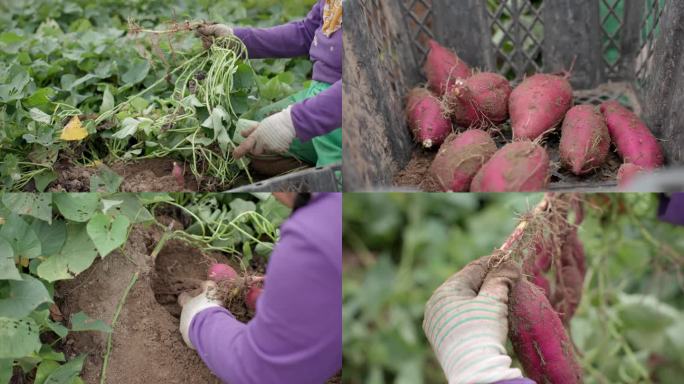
[
  {"x": 585, "y": 141},
  {"x": 443, "y": 67},
  {"x": 480, "y": 99},
  {"x": 460, "y": 158},
  {"x": 521, "y": 166},
  {"x": 426, "y": 118},
  {"x": 538, "y": 104}
]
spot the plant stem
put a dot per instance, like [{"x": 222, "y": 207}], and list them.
[{"x": 105, "y": 361}]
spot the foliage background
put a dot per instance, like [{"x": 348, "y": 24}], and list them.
[{"x": 400, "y": 247}]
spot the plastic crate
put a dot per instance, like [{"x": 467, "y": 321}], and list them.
[
  {"x": 630, "y": 50},
  {"x": 321, "y": 179}
]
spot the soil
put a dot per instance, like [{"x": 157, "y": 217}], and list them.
[
  {"x": 146, "y": 344},
  {"x": 149, "y": 175}
]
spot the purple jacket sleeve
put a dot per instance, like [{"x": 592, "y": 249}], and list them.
[
  {"x": 671, "y": 208},
  {"x": 288, "y": 40},
  {"x": 320, "y": 114},
  {"x": 296, "y": 335}
]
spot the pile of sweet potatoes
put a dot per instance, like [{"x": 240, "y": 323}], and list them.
[{"x": 467, "y": 106}]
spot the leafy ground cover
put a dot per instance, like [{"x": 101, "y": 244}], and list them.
[
  {"x": 89, "y": 282},
  {"x": 90, "y": 96},
  {"x": 400, "y": 247}
]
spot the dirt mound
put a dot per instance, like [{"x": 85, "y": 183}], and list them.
[
  {"x": 149, "y": 175},
  {"x": 147, "y": 347}
]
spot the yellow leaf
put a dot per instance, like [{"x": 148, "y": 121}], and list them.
[
  {"x": 74, "y": 130},
  {"x": 24, "y": 262},
  {"x": 2, "y": 220}
]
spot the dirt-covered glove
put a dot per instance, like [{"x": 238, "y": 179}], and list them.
[
  {"x": 194, "y": 305},
  {"x": 273, "y": 135},
  {"x": 466, "y": 322},
  {"x": 211, "y": 31}
]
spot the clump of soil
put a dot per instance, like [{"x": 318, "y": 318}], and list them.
[
  {"x": 147, "y": 346},
  {"x": 415, "y": 175},
  {"x": 148, "y": 175}
]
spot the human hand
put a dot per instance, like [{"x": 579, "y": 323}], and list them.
[
  {"x": 466, "y": 322},
  {"x": 209, "y": 32},
  {"x": 194, "y": 305},
  {"x": 273, "y": 135}
]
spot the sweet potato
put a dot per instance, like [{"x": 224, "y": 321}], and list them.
[
  {"x": 585, "y": 140},
  {"x": 427, "y": 119},
  {"x": 634, "y": 141},
  {"x": 460, "y": 158},
  {"x": 627, "y": 173},
  {"x": 480, "y": 98},
  {"x": 544, "y": 252},
  {"x": 443, "y": 67},
  {"x": 538, "y": 104},
  {"x": 570, "y": 273},
  {"x": 521, "y": 166},
  {"x": 539, "y": 338}
]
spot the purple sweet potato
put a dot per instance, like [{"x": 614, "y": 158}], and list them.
[
  {"x": 521, "y": 166},
  {"x": 538, "y": 104},
  {"x": 426, "y": 118},
  {"x": 570, "y": 273},
  {"x": 585, "y": 141},
  {"x": 481, "y": 98},
  {"x": 627, "y": 173},
  {"x": 634, "y": 141},
  {"x": 539, "y": 338},
  {"x": 443, "y": 67},
  {"x": 459, "y": 159}
]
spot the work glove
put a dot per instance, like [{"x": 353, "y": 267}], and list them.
[
  {"x": 211, "y": 31},
  {"x": 273, "y": 135},
  {"x": 207, "y": 298},
  {"x": 466, "y": 322}
]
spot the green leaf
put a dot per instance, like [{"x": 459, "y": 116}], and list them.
[
  {"x": 77, "y": 206},
  {"x": 51, "y": 236},
  {"x": 42, "y": 318},
  {"x": 137, "y": 72},
  {"x": 38, "y": 205},
  {"x": 44, "y": 370},
  {"x": 107, "y": 100},
  {"x": 239, "y": 206},
  {"x": 44, "y": 179},
  {"x": 20, "y": 338},
  {"x": 76, "y": 256},
  {"x": 22, "y": 238},
  {"x": 8, "y": 269},
  {"x": 24, "y": 296},
  {"x": 6, "y": 370},
  {"x": 81, "y": 322},
  {"x": 105, "y": 181},
  {"x": 130, "y": 207},
  {"x": 67, "y": 372},
  {"x": 108, "y": 233},
  {"x": 40, "y": 116}
]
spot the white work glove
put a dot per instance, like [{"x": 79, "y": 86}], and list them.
[
  {"x": 209, "y": 32},
  {"x": 273, "y": 135},
  {"x": 194, "y": 305},
  {"x": 466, "y": 322}
]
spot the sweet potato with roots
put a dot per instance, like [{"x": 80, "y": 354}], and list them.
[
  {"x": 634, "y": 141},
  {"x": 539, "y": 338},
  {"x": 538, "y": 104},
  {"x": 459, "y": 159},
  {"x": 426, "y": 118},
  {"x": 443, "y": 67},
  {"x": 479, "y": 99},
  {"x": 570, "y": 273},
  {"x": 585, "y": 141},
  {"x": 521, "y": 166},
  {"x": 627, "y": 173}
]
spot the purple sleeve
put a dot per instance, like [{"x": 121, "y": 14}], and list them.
[
  {"x": 288, "y": 40},
  {"x": 320, "y": 114},
  {"x": 296, "y": 335},
  {"x": 671, "y": 208}
]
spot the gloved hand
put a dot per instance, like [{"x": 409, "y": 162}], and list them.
[
  {"x": 466, "y": 322},
  {"x": 209, "y": 32},
  {"x": 194, "y": 305},
  {"x": 273, "y": 135}
]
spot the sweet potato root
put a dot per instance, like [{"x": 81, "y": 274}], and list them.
[
  {"x": 443, "y": 67},
  {"x": 426, "y": 118},
  {"x": 480, "y": 99},
  {"x": 460, "y": 158},
  {"x": 585, "y": 141},
  {"x": 538, "y": 104},
  {"x": 522, "y": 166}
]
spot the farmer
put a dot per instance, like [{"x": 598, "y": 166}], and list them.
[
  {"x": 304, "y": 127},
  {"x": 473, "y": 306},
  {"x": 296, "y": 334},
  {"x": 671, "y": 208}
]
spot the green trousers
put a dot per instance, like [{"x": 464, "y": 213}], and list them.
[{"x": 322, "y": 150}]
